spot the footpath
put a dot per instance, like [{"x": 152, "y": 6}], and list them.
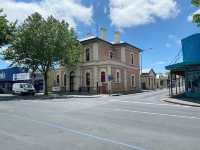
[{"x": 183, "y": 101}]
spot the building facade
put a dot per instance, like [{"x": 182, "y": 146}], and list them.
[
  {"x": 13, "y": 75},
  {"x": 185, "y": 76},
  {"x": 7, "y": 78},
  {"x": 162, "y": 81},
  {"x": 105, "y": 68},
  {"x": 148, "y": 79}
]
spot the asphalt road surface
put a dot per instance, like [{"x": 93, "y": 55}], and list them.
[{"x": 131, "y": 122}]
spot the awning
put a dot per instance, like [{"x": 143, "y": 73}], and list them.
[{"x": 182, "y": 66}]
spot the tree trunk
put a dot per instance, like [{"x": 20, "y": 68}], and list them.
[{"x": 46, "y": 83}]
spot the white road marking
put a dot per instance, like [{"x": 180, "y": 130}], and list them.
[
  {"x": 153, "y": 113},
  {"x": 83, "y": 134}
]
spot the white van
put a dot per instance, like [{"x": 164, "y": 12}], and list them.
[{"x": 23, "y": 88}]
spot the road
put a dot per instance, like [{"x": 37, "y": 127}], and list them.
[{"x": 129, "y": 122}]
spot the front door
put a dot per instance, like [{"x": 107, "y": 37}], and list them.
[
  {"x": 72, "y": 76},
  {"x": 88, "y": 82}
]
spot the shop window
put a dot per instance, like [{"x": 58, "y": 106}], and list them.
[{"x": 103, "y": 77}]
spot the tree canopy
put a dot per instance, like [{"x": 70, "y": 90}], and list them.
[
  {"x": 6, "y": 29},
  {"x": 196, "y": 17},
  {"x": 41, "y": 43}
]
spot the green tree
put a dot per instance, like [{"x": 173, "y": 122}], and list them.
[
  {"x": 6, "y": 29},
  {"x": 196, "y": 17},
  {"x": 40, "y": 44}
]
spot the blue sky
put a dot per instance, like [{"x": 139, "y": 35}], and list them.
[{"x": 156, "y": 26}]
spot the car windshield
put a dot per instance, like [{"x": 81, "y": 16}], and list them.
[{"x": 27, "y": 85}]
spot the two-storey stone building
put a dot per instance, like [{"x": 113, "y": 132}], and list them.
[{"x": 105, "y": 67}]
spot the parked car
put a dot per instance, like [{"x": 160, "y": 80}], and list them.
[{"x": 23, "y": 88}]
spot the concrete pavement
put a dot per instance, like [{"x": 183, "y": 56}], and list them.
[
  {"x": 181, "y": 102},
  {"x": 140, "y": 121}
]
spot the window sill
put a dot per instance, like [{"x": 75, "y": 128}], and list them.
[{"x": 116, "y": 82}]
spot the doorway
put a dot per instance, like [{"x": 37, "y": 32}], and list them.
[{"x": 71, "y": 83}]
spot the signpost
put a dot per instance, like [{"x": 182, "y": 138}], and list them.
[{"x": 110, "y": 78}]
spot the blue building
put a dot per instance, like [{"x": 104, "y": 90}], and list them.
[
  {"x": 13, "y": 75},
  {"x": 188, "y": 70}
]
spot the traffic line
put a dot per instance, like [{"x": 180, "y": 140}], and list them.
[
  {"x": 83, "y": 134},
  {"x": 157, "y": 114}
]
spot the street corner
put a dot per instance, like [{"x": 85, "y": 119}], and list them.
[{"x": 179, "y": 102}]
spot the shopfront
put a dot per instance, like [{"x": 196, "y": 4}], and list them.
[
  {"x": 13, "y": 75},
  {"x": 188, "y": 70}
]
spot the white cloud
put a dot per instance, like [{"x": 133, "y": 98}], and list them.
[
  {"x": 171, "y": 36},
  {"x": 168, "y": 45},
  {"x": 173, "y": 40},
  {"x": 128, "y": 13},
  {"x": 69, "y": 10}
]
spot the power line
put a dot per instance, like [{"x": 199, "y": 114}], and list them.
[{"x": 176, "y": 58}]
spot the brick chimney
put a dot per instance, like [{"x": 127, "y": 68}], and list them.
[
  {"x": 103, "y": 33},
  {"x": 117, "y": 36}
]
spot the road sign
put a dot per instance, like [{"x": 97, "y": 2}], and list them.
[{"x": 110, "y": 78}]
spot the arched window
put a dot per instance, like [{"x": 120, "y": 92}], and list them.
[
  {"x": 87, "y": 79},
  {"x": 58, "y": 79},
  {"x": 87, "y": 54},
  {"x": 103, "y": 76}
]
